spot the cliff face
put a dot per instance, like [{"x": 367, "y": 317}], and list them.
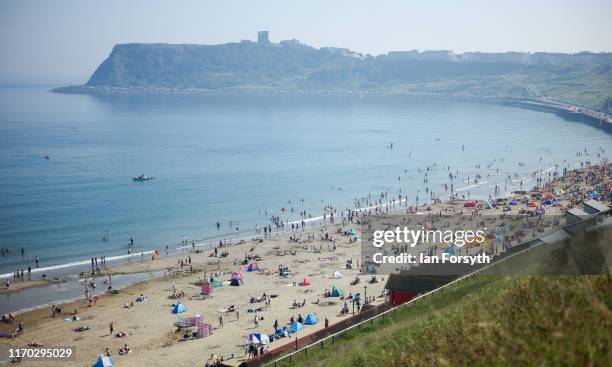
[
  {"x": 211, "y": 67},
  {"x": 584, "y": 78}
]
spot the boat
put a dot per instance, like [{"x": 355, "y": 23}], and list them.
[{"x": 142, "y": 178}]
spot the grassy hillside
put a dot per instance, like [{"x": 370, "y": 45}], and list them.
[
  {"x": 497, "y": 318},
  {"x": 293, "y": 66}
]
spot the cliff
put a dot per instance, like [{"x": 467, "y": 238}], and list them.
[{"x": 584, "y": 78}]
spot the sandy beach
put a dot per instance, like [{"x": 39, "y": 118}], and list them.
[{"x": 149, "y": 325}]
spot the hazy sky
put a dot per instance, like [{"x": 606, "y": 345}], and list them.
[{"x": 63, "y": 41}]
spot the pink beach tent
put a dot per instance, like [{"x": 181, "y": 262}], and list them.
[
  {"x": 470, "y": 204},
  {"x": 252, "y": 267}
]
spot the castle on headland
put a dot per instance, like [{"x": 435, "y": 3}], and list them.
[{"x": 263, "y": 37}]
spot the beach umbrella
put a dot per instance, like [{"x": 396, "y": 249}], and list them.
[
  {"x": 306, "y": 281},
  {"x": 549, "y": 196},
  {"x": 257, "y": 338},
  {"x": 237, "y": 275}
]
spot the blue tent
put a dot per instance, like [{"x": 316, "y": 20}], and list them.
[
  {"x": 489, "y": 206},
  {"x": 514, "y": 202},
  {"x": 451, "y": 250},
  {"x": 178, "y": 308},
  {"x": 104, "y": 361},
  {"x": 335, "y": 292},
  {"x": 295, "y": 326},
  {"x": 311, "y": 319}
]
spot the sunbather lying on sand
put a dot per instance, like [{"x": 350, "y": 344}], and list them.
[
  {"x": 121, "y": 334},
  {"x": 125, "y": 350}
]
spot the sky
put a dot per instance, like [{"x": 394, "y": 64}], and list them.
[{"x": 63, "y": 41}]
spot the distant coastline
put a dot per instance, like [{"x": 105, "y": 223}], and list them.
[{"x": 566, "y": 110}]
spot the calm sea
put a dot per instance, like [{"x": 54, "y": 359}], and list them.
[{"x": 241, "y": 159}]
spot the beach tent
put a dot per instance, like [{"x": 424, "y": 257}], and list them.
[
  {"x": 336, "y": 292},
  {"x": 203, "y": 329},
  {"x": 514, "y": 202},
  {"x": 235, "y": 282},
  {"x": 207, "y": 289},
  {"x": 550, "y": 196},
  {"x": 295, "y": 326},
  {"x": 257, "y": 338},
  {"x": 178, "y": 308},
  {"x": 306, "y": 281},
  {"x": 237, "y": 275},
  {"x": 310, "y": 319},
  {"x": 252, "y": 267},
  {"x": 216, "y": 283},
  {"x": 489, "y": 206},
  {"x": 470, "y": 204},
  {"x": 336, "y": 275},
  {"x": 451, "y": 250},
  {"x": 549, "y": 202},
  {"x": 104, "y": 361},
  {"x": 594, "y": 195}
]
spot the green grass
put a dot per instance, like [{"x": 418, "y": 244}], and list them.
[{"x": 495, "y": 318}]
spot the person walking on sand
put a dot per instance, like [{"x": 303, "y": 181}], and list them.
[
  {"x": 256, "y": 321},
  {"x": 237, "y": 315},
  {"x": 221, "y": 322},
  {"x": 111, "y": 327}
]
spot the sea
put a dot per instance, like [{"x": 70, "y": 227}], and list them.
[{"x": 238, "y": 160}]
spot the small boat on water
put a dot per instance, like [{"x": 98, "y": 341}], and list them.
[{"x": 142, "y": 178}]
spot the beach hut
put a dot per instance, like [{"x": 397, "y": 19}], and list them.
[
  {"x": 294, "y": 327},
  {"x": 310, "y": 319},
  {"x": 470, "y": 204},
  {"x": 179, "y": 308},
  {"x": 306, "y": 281},
  {"x": 258, "y": 338},
  {"x": 252, "y": 267},
  {"x": 336, "y": 275},
  {"x": 216, "y": 283},
  {"x": 336, "y": 292},
  {"x": 104, "y": 361}
]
